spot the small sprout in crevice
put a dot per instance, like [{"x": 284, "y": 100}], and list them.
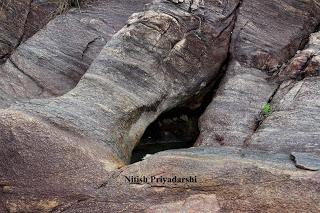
[{"x": 266, "y": 109}]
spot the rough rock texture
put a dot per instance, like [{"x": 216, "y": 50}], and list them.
[
  {"x": 228, "y": 180},
  {"x": 18, "y": 22},
  {"x": 53, "y": 61},
  {"x": 234, "y": 111},
  {"x": 11, "y": 33},
  {"x": 119, "y": 96},
  {"x": 306, "y": 161},
  {"x": 305, "y": 63},
  {"x": 68, "y": 153},
  {"x": 40, "y": 13},
  {"x": 266, "y": 34},
  {"x": 163, "y": 57},
  {"x": 294, "y": 122}
]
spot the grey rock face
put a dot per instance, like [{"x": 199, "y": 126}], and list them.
[
  {"x": 149, "y": 66},
  {"x": 294, "y": 123},
  {"x": 53, "y": 61},
  {"x": 293, "y": 126},
  {"x": 18, "y": 22},
  {"x": 228, "y": 180},
  {"x": 268, "y": 34},
  {"x": 235, "y": 110},
  {"x": 306, "y": 161},
  {"x": 67, "y": 152},
  {"x": 262, "y": 40}
]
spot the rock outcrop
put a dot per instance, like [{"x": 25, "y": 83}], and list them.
[
  {"x": 52, "y": 62},
  {"x": 293, "y": 125},
  {"x": 227, "y": 180},
  {"x": 20, "y": 19},
  {"x": 266, "y": 35},
  {"x": 76, "y": 97},
  {"x": 305, "y": 63},
  {"x": 160, "y": 59}
]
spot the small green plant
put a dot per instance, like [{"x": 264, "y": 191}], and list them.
[{"x": 266, "y": 109}]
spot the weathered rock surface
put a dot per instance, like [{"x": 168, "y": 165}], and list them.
[
  {"x": 11, "y": 33},
  {"x": 68, "y": 153},
  {"x": 163, "y": 57},
  {"x": 306, "y": 161},
  {"x": 18, "y": 22},
  {"x": 52, "y": 62},
  {"x": 228, "y": 180},
  {"x": 235, "y": 109},
  {"x": 266, "y": 35},
  {"x": 305, "y": 63},
  {"x": 293, "y": 125}
]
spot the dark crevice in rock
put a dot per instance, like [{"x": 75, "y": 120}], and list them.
[
  {"x": 21, "y": 37},
  {"x": 172, "y": 130},
  {"x": 4, "y": 58},
  {"x": 281, "y": 74},
  {"x": 305, "y": 161},
  {"x": 89, "y": 44},
  {"x": 307, "y": 69},
  {"x": 260, "y": 118},
  {"x": 27, "y": 24},
  {"x": 302, "y": 65},
  {"x": 177, "y": 128},
  {"x": 24, "y": 26}
]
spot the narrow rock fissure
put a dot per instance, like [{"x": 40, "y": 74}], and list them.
[{"x": 260, "y": 118}]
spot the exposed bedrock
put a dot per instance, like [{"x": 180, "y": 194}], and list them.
[
  {"x": 160, "y": 59},
  {"x": 20, "y": 19},
  {"x": 234, "y": 111},
  {"x": 293, "y": 125},
  {"x": 228, "y": 180},
  {"x": 305, "y": 63},
  {"x": 52, "y": 62},
  {"x": 266, "y": 35},
  {"x": 63, "y": 154}
]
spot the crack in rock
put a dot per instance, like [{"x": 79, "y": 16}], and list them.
[{"x": 306, "y": 161}]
